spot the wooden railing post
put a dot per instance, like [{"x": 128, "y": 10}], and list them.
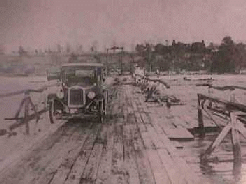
[
  {"x": 200, "y": 119},
  {"x": 235, "y": 138},
  {"x": 232, "y": 96},
  {"x": 26, "y": 108}
]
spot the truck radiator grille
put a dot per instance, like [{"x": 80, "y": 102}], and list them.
[{"x": 76, "y": 97}]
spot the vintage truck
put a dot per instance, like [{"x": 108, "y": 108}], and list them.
[{"x": 81, "y": 94}]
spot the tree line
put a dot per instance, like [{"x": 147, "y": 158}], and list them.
[{"x": 228, "y": 57}]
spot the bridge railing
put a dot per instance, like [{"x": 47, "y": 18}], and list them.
[
  {"x": 232, "y": 111},
  {"x": 22, "y": 116}
]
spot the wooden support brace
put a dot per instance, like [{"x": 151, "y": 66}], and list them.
[
  {"x": 34, "y": 109},
  {"x": 217, "y": 141},
  {"x": 211, "y": 117},
  {"x": 20, "y": 107},
  {"x": 21, "y": 120},
  {"x": 234, "y": 126},
  {"x": 25, "y": 103}
]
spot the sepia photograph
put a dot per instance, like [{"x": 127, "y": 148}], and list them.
[{"x": 122, "y": 92}]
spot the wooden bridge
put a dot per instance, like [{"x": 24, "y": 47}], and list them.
[{"x": 132, "y": 146}]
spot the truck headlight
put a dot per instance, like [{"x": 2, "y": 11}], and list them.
[
  {"x": 91, "y": 95},
  {"x": 60, "y": 94}
]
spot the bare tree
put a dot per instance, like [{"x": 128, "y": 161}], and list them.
[
  {"x": 59, "y": 48},
  {"x": 68, "y": 48},
  {"x": 94, "y": 46},
  {"x": 22, "y": 51},
  {"x": 80, "y": 49}
]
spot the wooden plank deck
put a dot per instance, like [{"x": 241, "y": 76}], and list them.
[
  {"x": 139, "y": 149},
  {"x": 131, "y": 147}
]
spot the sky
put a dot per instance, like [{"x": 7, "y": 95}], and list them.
[{"x": 45, "y": 23}]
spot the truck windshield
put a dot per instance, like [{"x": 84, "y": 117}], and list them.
[{"x": 83, "y": 75}]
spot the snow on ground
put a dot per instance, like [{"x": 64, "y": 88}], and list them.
[
  {"x": 190, "y": 89},
  {"x": 13, "y": 84},
  {"x": 12, "y": 147},
  {"x": 187, "y": 90}
]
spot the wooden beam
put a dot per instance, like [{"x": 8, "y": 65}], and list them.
[
  {"x": 228, "y": 87},
  {"x": 160, "y": 81},
  {"x": 205, "y": 79},
  {"x": 229, "y": 105}
]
